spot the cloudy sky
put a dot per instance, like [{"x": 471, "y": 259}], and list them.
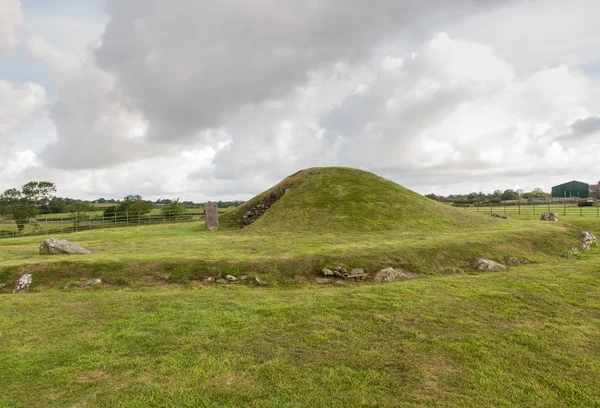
[{"x": 222, "y": 99}]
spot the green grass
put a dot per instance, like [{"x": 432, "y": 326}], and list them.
[
  {"x": 525, "y": 337},
  {"x": 146, "y": 253},
  {"x": 528, "y": 337}
]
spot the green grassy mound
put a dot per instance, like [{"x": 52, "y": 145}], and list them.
[{"x": 336, "y": 199}]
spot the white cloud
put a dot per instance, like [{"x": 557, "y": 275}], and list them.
[
  {"x": 20, "y": 105},
  {"x": 11, "y": 17}
]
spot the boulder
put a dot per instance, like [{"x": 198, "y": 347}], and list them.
[
  {"x": 2, "y": 285},
  {"x": 489, "y": 266},
  {"x": 211, "y": 216},
  {"x": 549, "y": 217},
  {"x": 390, "y": 275},
  {"x": 589, "y": 241},
  {"x": 231, "y": 278},
  {"x": 53, "y": 246},
  {"x": 23, "y": 283},
  {"x": 259, "y": 281}
]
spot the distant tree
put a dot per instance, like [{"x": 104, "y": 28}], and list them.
[
  {"x": 101, "y": 201},
  {"x": 510, "y": 195},
  {"x": 132, "y": 204},
  {"x": 57, "y": 205},
  {"x": 173, "y": 210},
  {"x": 22, "y": 205},
  {"x": 430, "y": 196},
  {"x": 80, "y": 208}
]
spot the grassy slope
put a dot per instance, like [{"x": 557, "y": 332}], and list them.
[
  {"x": 527, "y": 337},
  {"x": 344, "y": 200},
  {"x": 142, "y": 255}
]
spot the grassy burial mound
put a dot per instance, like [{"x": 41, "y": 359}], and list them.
[{"x": 344, "y": 200}]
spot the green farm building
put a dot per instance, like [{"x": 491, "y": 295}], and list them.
[{"x": 572, "y": 189}]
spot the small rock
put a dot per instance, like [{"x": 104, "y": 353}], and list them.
[
  {"x": 23, "y": 283},
  {"x": 589, "y": 241},
  {"x": 222, "y": 281},
  {"x": 259, "y": 281},
  {"x": 245, "y": 277},
  {"x": 489, "y": 266},
  {"x": 549, "y": 217},
  {"x": 167, "y": 276},
  {"x": 231, "y": 278},
  {"x": 327, "y": 272},
  {"x": 2, "y": 285},
  {"x": 389, "y": 275},
  {"x": 210, "y": 279},
  {"x": 92, "y": 282},
  {"x": 358, "y": 274}
]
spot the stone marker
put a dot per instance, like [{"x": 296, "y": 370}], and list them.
[
  {"x": 23, "y": 283},
  {"x": 53, "y": 246},
  {"x": 211, "y": 216}
]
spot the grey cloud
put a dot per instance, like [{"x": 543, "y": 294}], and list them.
[
  {"x": 581, "y": 130},
  {"x": 189, "y": 65},
  {"x": 587, "y": 126}
]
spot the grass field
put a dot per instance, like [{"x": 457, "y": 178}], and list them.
[
  {"x": 155, "y": 334},
  {"x": 538, "y": 209},
  {"x": 528, "y": 337}
]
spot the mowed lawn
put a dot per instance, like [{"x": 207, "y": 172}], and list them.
[{"x": 527, "y": 337}]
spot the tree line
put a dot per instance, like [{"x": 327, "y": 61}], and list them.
[
  {"x": 38, "y": 197},
  {"x": 495, "y": 197}
]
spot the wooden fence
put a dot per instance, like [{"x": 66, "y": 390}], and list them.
[{"x": 76, "y": 223}]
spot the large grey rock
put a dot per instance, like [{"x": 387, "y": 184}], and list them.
[
  {"x": 211, "y": 216},
  {"x": 23, "y": 283},
  {"x": 53, "y": 246},
  {"x": 549, "y": 217},
  {"x": 589, "y": 241},
  {"x": 390, "y": 275},
  {"x": 489, "y": 266}
]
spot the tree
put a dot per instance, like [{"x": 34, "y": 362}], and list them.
[
  {"x": 430, "y": 196},
  {"x": 510, "y": 195},
  {"x": 174, "y": 210},
  {"x": 79, "y": 208},
  {"x": 132, "y": 204},
  {"x": 21, "y": 205}
]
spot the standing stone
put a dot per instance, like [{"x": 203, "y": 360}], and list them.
[
  {"x": 23, "y": 283},
  {"x": 211, "y": 216}
]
